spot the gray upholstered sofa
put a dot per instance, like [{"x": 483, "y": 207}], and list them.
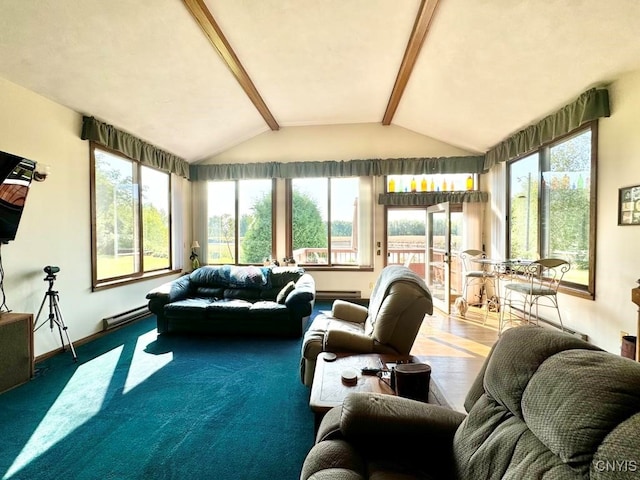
[
  {"x": 546, "y": 405},
  {"x": 399, "y": 302},
  {"x": 229, "y": 299}
]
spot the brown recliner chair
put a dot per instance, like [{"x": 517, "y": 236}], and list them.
[
  {"x": 399, "y": 302},
  {"x": 545, "y": 405}
]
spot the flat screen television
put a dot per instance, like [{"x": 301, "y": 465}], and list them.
[{"x": 16, "y": 174}]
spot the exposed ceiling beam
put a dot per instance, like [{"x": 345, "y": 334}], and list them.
[
  {"x": 418, "y": 35},
  {"x": 213, "y": 32}
]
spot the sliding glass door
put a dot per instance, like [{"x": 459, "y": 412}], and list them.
[
  {"x": 427, "y": 240},
  {"x": 438, "y": 255}
]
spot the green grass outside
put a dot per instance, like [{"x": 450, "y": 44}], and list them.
[{"x": 110, "y": 266}]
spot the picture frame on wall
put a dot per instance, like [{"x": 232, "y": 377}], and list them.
[{"x": 629, "y": 205}]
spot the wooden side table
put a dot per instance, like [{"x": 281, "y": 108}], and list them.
[
  {"x": 16, "y": 349},
  {"x": 328, "y": 390}
]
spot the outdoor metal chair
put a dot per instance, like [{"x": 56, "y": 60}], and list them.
[
  {"x": 476, "y": 274},
  {"x": 536, "y": 284}
]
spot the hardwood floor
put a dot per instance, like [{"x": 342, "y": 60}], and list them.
[{"x": 456, "y": 348}]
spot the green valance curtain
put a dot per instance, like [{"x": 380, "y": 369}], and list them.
[
  {"x": 132, "y": 147},
  {"x": 592, "y": 104},
  {"x": 431, "y": 198},
  {"x": 345, "y": 168}
]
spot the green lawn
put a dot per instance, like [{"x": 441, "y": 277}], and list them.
[{"x": 110, "y": 266}]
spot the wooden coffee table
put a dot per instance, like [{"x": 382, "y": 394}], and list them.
[{"x": 328, "y": 390}]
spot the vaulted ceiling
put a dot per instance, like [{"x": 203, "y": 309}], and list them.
[{"x": 196, "y": 77}]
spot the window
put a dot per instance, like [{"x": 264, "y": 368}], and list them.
[
  {"x": 552, "y": 205},
  {"x": 131, "y": 214},
  {"x": 240, "y": 221},
  {"x": 330, "y": 221}
]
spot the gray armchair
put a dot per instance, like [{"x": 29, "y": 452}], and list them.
[
  {"x": 545, "y": 405},
  {"x": 399, "y": 302}
]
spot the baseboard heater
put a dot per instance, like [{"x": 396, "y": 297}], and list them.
[
  {"x": 334, "y": 294},
  {"x": 575, "y": 333},
  {"x": 125, "y": 317}
]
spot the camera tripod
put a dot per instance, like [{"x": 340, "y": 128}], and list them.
[{"x": 55, "y": 316}]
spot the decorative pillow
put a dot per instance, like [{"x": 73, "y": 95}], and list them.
[
  {"x": 246, "y": 277},
  {"x": 286, "y": 290},
  {"x": 280, "y": 276}
]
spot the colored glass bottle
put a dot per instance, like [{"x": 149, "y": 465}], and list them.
[
  {"x": 469, "y": 182},
  {"x": 392, "y": 185},
  {"x": 414, "y": 185},
  {"x": 423, "y": 184},
  {"x": 432, "y": 186},
  {"x": 444, "y": 184}
]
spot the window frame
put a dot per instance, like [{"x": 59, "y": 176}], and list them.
[
  {"x": 140, "y": 274},
  {"x": 236, "y": 209},
  {"x": 289, "y": 230},
  {"x": 583, "y": 291}
]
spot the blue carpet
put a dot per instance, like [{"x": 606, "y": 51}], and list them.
[{"x": 140, "y": 406}]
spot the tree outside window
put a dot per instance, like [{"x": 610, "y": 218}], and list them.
[
  {"x": 331, "y": 221},
  {"x": 240, "y": 221},
  {"x": 131, "y": 210},
  {"x": 551, "y": 206}
]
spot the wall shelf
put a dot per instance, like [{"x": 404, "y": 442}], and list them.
[{"x": 431, "y": 198}]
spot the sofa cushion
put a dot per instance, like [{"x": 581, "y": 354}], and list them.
[
  {"x": 188, "y": 308},
  {"x": 269, "y": 294},
  {"x": 379, "y": 304},
  {"x": 314, "y": 337},
  {"x": 511, "y": 366},
  {"x": 207, "y": 276},
  {"x": 232, "y": 276},
  {"x": 573, "y": 402},
  {"x": 280, "y": 276},
  {"x": 242, "y": 293},
  {"x": 228, "y": 305},
  {"x": 303, "y": 293},
  {"x": 621, "y": 444},
  {"x": 247, "y": 277},
  {"x": 212, "y": 292},
  {"x": 286, "y": 290},
  {"x": 268, "y": 309}
]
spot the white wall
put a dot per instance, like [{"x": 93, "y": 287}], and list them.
[
  {"x": 55, "y": 226},
  {"x": 336, "y": 142},
  {"x": 617, "y": 261}
]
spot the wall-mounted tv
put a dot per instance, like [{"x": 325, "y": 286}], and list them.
[{"x": 16, "y": 174}]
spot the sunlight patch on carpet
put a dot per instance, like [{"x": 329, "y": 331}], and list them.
[
  {"x": 84, "y": 395},
  {"x": 144, "y": 364}
]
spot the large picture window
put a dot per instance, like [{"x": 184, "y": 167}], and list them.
[
  {"x": 131, "y": 212},
  {"x": 552, "y": 205},
  {"x": 240, "y": 221},
  {"x": 330, "y": 221}
]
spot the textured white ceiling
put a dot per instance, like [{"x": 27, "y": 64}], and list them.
[
  {"x": 490, "y": 68},
  {"x": 487, "y": 68}
]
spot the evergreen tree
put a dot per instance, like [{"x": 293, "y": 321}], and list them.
[{"x": 257, "y": 241}]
